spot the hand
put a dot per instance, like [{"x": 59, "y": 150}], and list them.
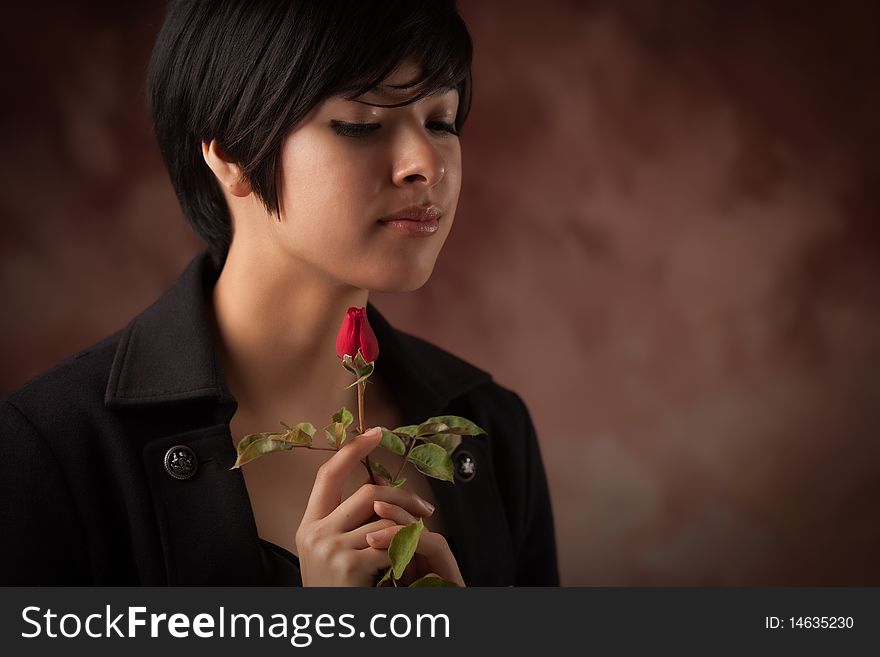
[
  {"x": 331, "y": 539},
  {"x": 432, "y": 556}
]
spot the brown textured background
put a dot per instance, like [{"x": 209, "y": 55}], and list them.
[{"x": 667, "y": 243}]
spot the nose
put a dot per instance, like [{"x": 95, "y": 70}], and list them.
[{"x": 418, "y": 160}]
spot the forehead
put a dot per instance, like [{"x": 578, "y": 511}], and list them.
[
  {"x": 385, "y": 94},
  {"x": 405, "y": 73},
  {"x": 396, "y": 88}
]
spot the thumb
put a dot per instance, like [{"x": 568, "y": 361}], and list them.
[{"x": 327, "y": 489}]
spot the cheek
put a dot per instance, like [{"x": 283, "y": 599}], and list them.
[
  {"x": 354, "y": 176},
  {"x": 453, "y": 170},
  {"x": 323, "y": 177}
]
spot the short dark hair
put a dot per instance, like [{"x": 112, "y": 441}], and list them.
[{"x": 247, "y": 72}]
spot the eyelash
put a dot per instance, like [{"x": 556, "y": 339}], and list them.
[{"x": 360, "y": 130}]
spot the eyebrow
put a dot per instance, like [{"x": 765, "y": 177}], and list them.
[
  {"x": 395, "y": 93},
  {"x": 390, "y": 93}
]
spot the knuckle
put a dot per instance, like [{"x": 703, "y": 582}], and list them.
[
  {"x": 331, "y": 545},
  {"x": 310, "y": 538},
  {"x": 302, "y": 534},
  {"x": 325, "y": 550},
  {"x": 439, "y": 540},
  {"x": 344, "y": 564},
  {"x": 370, "y": 491},
  {"x": 324, "y": 471},
  {"x": 305, "y": 541},
  {"x": 408, "y": 495}
]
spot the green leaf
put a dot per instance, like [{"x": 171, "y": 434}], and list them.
[
  {"x": 365, "y": 374},
  {"x": 397, "y": 483},
  {"x": 409, "y": 430},
  {"x": 392, "y": 443},
  {"x": 403, "y": 547},
  {"x": 448, "y": 441},
  {"x": 380, "y": 469},
  {"x": 385, "y": 577},
  {"x": 433, "y": 461},
  {"x": 357, "y": 366},
  {"x": 429, "y": 427},
  {"x": 258, "y": 445},
  {"x": 247, "y": 440},
  {"x": 335, "y": 432},
  {"x": 457, "y": 425},
  {"x": 432, "y": 581},
  {"x": 301, "y": 434},
  {"x": 344, "y": 416},
  {"x": 308, "y": 427}
]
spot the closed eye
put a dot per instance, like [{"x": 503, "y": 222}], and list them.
[
  {"x": 345, "y": 129},
  {"x": 353, "y": 129},
  {"x": 440, "y": 126}
]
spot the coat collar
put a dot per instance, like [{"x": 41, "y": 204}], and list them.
[{"x": 166, "y": 355}]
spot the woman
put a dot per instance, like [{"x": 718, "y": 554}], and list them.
[{"x": 314, "y": 146}]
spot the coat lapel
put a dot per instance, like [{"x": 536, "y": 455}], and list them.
[
  {"x": 166, "y": 378},
  {"x": 206, "y": 524}
]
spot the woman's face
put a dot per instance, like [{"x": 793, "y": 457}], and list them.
[{"x": 350, "y": 164}]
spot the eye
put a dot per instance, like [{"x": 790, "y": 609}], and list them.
[
  {"x": 440, "y": 126},
  {"x": 353, "y": 129}
]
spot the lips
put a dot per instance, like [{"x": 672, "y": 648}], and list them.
[
  {"x": 420, "y": 214},
  {"x": 415, "y": 221}
]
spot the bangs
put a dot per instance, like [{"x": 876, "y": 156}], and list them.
[{"x": 433, "y": 37}]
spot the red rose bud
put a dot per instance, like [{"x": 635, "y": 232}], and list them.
[{"x": 355, "y": 333}]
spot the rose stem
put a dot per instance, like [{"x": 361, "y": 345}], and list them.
[{"x": 361, "y": 389}]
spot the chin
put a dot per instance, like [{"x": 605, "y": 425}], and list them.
[{"x": 409, "y": 282}]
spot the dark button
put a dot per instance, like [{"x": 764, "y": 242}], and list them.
[
  {"x": 465, "y": 465},
  {"x": 181, "y": 462}
]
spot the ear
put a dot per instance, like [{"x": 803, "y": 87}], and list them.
[{"x": 227, "y": 170}]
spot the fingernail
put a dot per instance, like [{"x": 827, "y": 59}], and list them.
[
  {"x": 372, "y": 433},
  {"x": 428, "y": 506}
]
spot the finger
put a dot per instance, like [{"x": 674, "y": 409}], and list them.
[
  {"x": 358, "y": 509},
  {"x": 432, "y": 546},
  {"x": 398, "y": 514},
  {"x": 374, "y": 559},
  {"x": 381, "y": 538},
  {"x": 327, "y": 490},
  {"x": 380, "y": 480},
  {"x": 356, "y": 539}
]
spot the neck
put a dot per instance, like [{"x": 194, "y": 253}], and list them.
[{"x": 276, "y": 326}]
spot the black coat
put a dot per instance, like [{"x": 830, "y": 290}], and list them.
[{"x": 87, "y": 498}]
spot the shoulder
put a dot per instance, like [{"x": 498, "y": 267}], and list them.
[
  {"x": 437, "y": 361},
  {"x": 65, "y": 392},
  {"x": 474, "y": 393},
  {"x": 462, "y": 383},
  {"x": 46, "y": 461}
]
